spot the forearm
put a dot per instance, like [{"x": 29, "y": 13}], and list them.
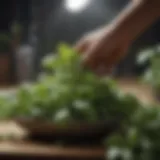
[{"x": 136, "y": 18}]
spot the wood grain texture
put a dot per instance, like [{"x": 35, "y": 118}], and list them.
[{"x": 26, "y": 148}]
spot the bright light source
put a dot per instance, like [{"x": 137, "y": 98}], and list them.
[{"x": 76, "y": 5}]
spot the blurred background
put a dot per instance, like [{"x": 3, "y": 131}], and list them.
[{"x": 30, "y": 29}]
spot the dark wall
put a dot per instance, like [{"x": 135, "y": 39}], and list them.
[
  {"x": 7, "y": 14},
  {"x": 24, "y": 16},
  {"x": 11, "y": 10}
]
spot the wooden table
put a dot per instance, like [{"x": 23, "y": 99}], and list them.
[
  {"x": 142, "y": 91},
  {"x": 29, "y": 151},
  {"x": 24, "y": 150}
]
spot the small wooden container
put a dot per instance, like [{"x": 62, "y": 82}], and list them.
[{"x": 77, "y": 133}]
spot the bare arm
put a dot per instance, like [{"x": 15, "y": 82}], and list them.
[
  {"x": 137, "y": 17},
  {"x": 106, "y": 47}
]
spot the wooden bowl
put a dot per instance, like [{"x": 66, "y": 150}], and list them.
[{"x": 71, "y": 133}]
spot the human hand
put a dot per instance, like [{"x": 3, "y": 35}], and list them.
[{"x": 103, "y": 49}]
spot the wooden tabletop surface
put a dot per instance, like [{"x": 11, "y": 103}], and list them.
[
  {"x": 28, "y": 148},
  {"x": 142, "y": 91}
]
